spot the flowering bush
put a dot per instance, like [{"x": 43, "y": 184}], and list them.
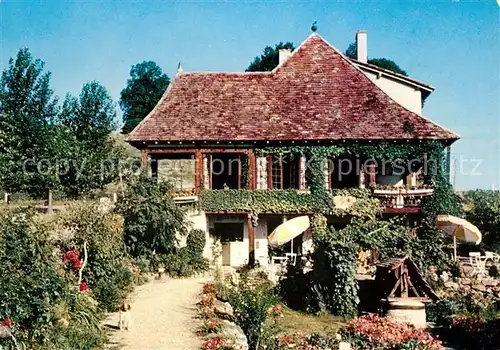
[
  {"x": 388, "y": 334},
  {"x": 83, "y": 287},
  {"x": 474, "y": 332},
  {"x": 213, "y": 344}
]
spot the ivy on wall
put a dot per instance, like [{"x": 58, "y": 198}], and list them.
[
  {"x": 289, "y": 201},
  {"x": 336, "y": 250}
]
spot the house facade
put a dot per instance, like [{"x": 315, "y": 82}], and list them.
[{"x": 320, "y": 134}]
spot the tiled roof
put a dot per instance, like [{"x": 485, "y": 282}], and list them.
[{"x": 316, "y": 94}]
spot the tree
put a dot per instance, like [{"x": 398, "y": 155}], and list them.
[
  {"x": 385, "y": 63},
  {"x": 269, "y": 58},
  {"x": 91, "y": 116},
  {"x": 27, "y": 106},
  {"x": 152, "y": 219},
  {"x": 144, "y": 89},
  {"x": 483, "y": 210}
]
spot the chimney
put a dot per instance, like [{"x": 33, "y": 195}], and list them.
[
  {"x": 284, "y": 54},
  {"x": 362, "y": 46}
]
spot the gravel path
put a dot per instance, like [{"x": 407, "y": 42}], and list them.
[{"x": 163, "y": 313}]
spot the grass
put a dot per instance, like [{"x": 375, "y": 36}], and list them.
[{"x": 301, "y": 324}]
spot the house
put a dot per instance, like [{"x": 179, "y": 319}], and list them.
[{"x": 251, "y": 149}]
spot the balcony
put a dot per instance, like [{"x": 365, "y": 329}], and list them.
[{"x": 401, "y": 199}]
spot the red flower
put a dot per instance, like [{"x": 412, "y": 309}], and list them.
[
  {"x": 83, "y": 287},
  {"x": 77, "y": 264},
  {"x": 286, "y": 340},
  {"x": 7, "y": 322}
]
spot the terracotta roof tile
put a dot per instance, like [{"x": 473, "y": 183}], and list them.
[{"x": 316, "y": 94}]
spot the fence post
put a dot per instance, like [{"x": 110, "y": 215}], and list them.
[
  {"x": 115, "y": 197},
  {"x": 6, "y": 197},
  {"x": 49, "y": 207}
]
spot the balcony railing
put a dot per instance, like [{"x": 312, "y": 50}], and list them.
[{"x": 401, "y": 197}]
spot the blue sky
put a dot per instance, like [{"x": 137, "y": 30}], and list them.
[{"x": 452, "y": 45}]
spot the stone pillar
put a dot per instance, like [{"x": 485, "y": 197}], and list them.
[
  {"x": 144, "y": 160},
  {"x": 326, "y": 172},
  {"x": 303, "y": 167},
  {"x": 206, "y": 179},
  {"x": 261, "y": 173}
]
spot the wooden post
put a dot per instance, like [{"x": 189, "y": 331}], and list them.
[
  {"x": 198, "y": 170},
  {"x": 144, "y": 160},
  {"x": 252, "y": 172},
  {"x": 269, "y": 172},
  {"x": 49, "y": 203},
  {"x": 251, "y": 241},
  {"x": 371, "y": 174},
  {"x": 154, "y": 168},
  {"x": 6, "y": 197},
  {"x": 115, "y": 197}
]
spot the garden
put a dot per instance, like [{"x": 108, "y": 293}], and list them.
[
  {"x": 322, "y": 307},
  {"x": 60, "y": 273}
]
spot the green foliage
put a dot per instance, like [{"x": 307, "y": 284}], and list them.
[
  {"x": 385, "y": 63},
  {"x": 45, "y": 147},
  {"x": 352, "y": 50},
  {"x": 91, "y": 116},
  {"x": 188, "y": 260},
  {"x": 334, "y": 260},
  {"x": 146, "y": 85},
  {"x": 44, "y": 304},
  {"x": 483, "y": 210},
  {"x": 288, "y": 201},
  {"x": 269, "y": 58},
  {"x": 251, "y": 302},
  {"x": 388, "y": 64},
  {"x": 106, "y": 271},
  {"x": 27, "y": 105},
  {"x": 152, "y": 219}
]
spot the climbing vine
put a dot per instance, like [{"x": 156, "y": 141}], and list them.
[{"x": 335, "y": 253}]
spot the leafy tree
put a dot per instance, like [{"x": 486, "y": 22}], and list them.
[
  {"x": 144, "y": 89},
  {"x": 91, "y": 116},
  {"x": 269, "y": 58},
  {"x": 86, "y": 122},
  {"x": 483, "y": 210},
  {"x": 27, "y": 106},
  {"x": 385, "y": 63},
  {"x": 152, "y": 219}
]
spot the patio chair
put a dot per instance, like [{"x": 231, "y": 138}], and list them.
[
  {"x": 478, "y": 263},
  {"x": 493, "y": 256},
  {"x": 292, "y": 257}
]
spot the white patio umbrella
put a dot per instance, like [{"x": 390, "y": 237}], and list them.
[
  {"x": 460, "y": 229},
  {"x": 288, "y": 230}
]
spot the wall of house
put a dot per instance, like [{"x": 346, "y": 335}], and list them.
[
  {"x": 261, "y": 243},
  {"x": 405, "y": 95},
  {"x": 236, "y": 253}
]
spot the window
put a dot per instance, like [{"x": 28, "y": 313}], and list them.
[
  {"x": 344, "y": 172},
  {"x": 285, "y": 171},
  {"x": 225, "y": 171},
  {"x": 229, "y": 231},
  {"x": 179, "y": 170}
]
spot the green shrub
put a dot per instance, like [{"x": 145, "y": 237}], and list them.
[
  {"x": 107, "y": 271},
  {"x": 251, "y": 301},
  {"x": 152, "y": 219},
  {"x": 43, "y": 302},
  {"x": 493, "y": 271}
]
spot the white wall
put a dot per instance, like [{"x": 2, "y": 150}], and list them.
[
  {"x": 405, "y": 95},
  {"x": 238, "y": 251},
  {"x": 261, "y": 243}
]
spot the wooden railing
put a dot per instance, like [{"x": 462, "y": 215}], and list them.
[{"x": 401, "y": 197}]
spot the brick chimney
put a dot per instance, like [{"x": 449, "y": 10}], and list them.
[
  {"x": 362, "y": 46},
  {"x": 284, "y": 54}
]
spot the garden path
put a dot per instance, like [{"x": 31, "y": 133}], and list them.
[{"x": 163, "y": 313}]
